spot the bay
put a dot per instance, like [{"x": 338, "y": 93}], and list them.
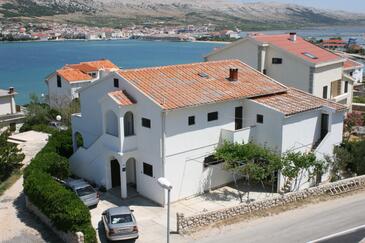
[{"x": 25, "y": 65}]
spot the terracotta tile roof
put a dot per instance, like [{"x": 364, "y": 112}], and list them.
[
  {"x": 334, "y": 41},
  {"x": 73, "y": 75},
  {"x": 94, "y": 65},
  {"x": 298, "y": 48},
  {"x": 193, "y": 84},
  {"x": 351, "y": 64},
  {"x": 122, "y": 97},
  {"x": 295, "y": 101},
  {"x": 78, "y": 72}
]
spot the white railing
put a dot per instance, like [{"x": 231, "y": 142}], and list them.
[
  {"x": 341, "y": 97},
  {"x": 243, "y": 135}
]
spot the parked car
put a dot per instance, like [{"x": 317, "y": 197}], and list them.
[
  {"x": 58, "y": 126},
  {"x": 88, "y": 195},
  {"x": 120, "y": 224}
]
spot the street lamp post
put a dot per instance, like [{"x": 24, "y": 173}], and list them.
[{"x": 165, "y": 184}]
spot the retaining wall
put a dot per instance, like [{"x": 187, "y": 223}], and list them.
[
  {"x": 69, "y": 237},
  {"x": 192, "y": 223}
]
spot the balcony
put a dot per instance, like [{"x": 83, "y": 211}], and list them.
[
  {"x": 342, "y": 98},
  {"x": 243, "y": 135}
]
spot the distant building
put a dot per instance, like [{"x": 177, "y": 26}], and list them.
[
  {"x": 141, "y": 124},
  {"x": 334, "y": 44},
  {"x": 355, "y": 70},
  {"x": 63, "y": 84},
  {"x": 10, "y": 113},
  {"x": 293, "y": 61}
]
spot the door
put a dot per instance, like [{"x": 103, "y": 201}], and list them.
[
  {"x": 238, "y": 121},
  {"x": 324, "y": 125},
  {"x": 115, "y": 172}
]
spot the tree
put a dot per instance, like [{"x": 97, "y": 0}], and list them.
[
  {"x": 353, "y": 119},
  {"x": 256, "y": 163},
  {"x": 10, "y": 157}
]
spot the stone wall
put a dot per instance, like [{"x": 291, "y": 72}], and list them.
[
  {"x": 192, "y": 223},
  {"x": 69, "y": 237}
]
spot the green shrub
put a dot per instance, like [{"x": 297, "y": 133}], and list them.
[
  {"x": 66, "y": 211},
  {"x": 50, "y": 163},
  {"x": 61, "y": 143}
]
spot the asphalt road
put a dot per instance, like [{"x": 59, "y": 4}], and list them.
[{"x": 305, "y": 224}]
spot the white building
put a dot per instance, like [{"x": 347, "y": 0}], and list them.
[
  {"x": 293, "y": 61},
  {"x": 355, "y": 70},
  {"x": 9, "y": 113},
  {"x": 140, "y": 124},
  {"x": 63, "y": 84}
]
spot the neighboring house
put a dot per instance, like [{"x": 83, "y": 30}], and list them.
[
  {"x": 293, "y": 61},
  {"x": 140, "y": 124},
  {"x": 355, "y": 70},
  {"x": 63, "y": 84},
  {"x": 10, "y": 113},
  {"x": 334, "y": 44}
]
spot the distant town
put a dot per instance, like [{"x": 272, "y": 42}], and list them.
[{"x": 57, "y": 31}]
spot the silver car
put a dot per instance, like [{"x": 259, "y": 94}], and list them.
[
  {"x": 120, "y": 224},
  {"x": 87, "y": 194}
]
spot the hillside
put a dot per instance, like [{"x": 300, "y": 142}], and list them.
[{"x": 223, "y": 13}]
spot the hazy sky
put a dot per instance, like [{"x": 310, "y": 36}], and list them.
[{"x": 348, "y": 5}]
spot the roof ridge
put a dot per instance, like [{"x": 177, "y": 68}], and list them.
[{"x": 179, "y": 65}]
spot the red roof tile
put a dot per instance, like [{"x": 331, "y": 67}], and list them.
[
  {"x": 351, "y": 64},
  {"x": 73, "y": 75},
  {"x": 94, "y": 65},
  {"x": 122, "y": 97},
  {"x": 186, "y": 85},
  {"x": 298, "y": 48},
  {"x": 295, "y": 101}
]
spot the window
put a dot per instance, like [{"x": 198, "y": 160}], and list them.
[
  {"x": 59, "y": 82},
  {"x": 346, "y": 86},
  {"x": 324, "y": 93},
  {"x": 276, "y": 60},
  {"x": 93, "y": 75},
  {"x": 128, "y": 124},
  {"x": 146, "y": 122},
  {"x": 116, "y": 83},
  {"x": 259, "y": 118},
  {"x": 310, "y": 55},
  {"x": 238, "y": 117},
  {"x": 147, "y": 169},
  {"x": 191, "y": 120},
  {"x": 212, "y": 116}
]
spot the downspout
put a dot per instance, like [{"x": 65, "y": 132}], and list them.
[{"x": 163, "y": 136}]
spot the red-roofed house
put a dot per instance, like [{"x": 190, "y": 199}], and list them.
[
  {"x": 334, "y": 44},
  {"x": 63, "y": 84},
  {"x": 293, "y": 61},
  {"x": 141, "y": 124}
]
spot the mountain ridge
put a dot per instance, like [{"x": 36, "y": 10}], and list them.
[{"x": 222, "y": 13}]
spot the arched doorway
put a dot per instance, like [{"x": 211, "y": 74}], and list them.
[
  {"x": 115, "y": 173},
  {"x": 131, "y": 173},
  {"x": 111, "y": 124},
  {"x": 128, "y": 124}
]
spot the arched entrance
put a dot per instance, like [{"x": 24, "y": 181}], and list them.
[
  {"x": 115, "y": 173},
  {"x": 111, "y": 124},
  {"x": 131, "y": 173}
]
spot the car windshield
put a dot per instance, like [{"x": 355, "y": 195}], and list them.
[
  {"x": 121, "y": 219},
  {"x": 85, "y": 191}
]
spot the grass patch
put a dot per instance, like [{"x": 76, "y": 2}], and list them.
[
  {"x": 10, "y": 181},
  {"x": 359, "y": 99}
]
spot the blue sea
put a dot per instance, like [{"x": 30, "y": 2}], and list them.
[{"x": 24, "y": 65}]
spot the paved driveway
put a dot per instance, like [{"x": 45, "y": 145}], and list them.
[{"x": 17, "y": 224}]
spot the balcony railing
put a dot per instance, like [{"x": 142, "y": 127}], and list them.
[{"x": 243, "y": 135}]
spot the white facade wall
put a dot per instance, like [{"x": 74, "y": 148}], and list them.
[
  {"x": 324, "y": 76},
  {"x": 246, "y": 51},
  {"x": 268, "y": 133},
  {"x": 7, "y": 105},
  {"x": 292, "y": 72},
  {"x": 188, "y": 146}
]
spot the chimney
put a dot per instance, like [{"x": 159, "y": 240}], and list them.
[
  {"x": 293, "y": 36},
  {"x": 11, "y": 90},
  {"x": 233, "y": 74}
]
